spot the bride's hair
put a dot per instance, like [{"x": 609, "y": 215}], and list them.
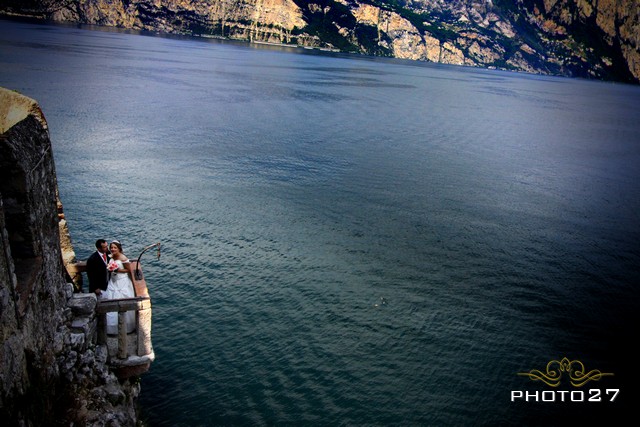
[{"x": 117, "y": 243}]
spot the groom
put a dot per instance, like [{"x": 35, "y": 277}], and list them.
[{"x": 97, "y": 268}]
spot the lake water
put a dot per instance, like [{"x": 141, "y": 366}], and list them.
[{"x": 348, "y": 240}]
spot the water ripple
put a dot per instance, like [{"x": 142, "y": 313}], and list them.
[{"x": 345, "y": 242}]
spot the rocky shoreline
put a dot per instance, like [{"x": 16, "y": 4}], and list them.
[{"x": 597, "y": 39}]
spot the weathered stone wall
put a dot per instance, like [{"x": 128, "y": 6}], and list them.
[
  {"x": 51, "y": 370},
  {"x": 33, "y": 286}
]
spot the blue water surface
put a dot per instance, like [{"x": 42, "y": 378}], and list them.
[{"x": 348, "y": 240}]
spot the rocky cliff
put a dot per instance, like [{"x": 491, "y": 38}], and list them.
[
  {"x": 51, "y": 370},
  {"x": 585, "y": 38}
]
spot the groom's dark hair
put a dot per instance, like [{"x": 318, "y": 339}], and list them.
[{"x": 99, "y": 243}]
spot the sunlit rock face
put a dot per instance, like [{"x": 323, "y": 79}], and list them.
[{"x": 585, "y": 38}]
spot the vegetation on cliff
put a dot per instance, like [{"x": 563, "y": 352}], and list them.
[{"x": 581, "y": 38}]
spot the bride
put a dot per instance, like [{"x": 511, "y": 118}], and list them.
[{"x": 119, "y": 286}]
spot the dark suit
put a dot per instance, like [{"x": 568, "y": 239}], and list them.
[{"x": 97, "y": 272}]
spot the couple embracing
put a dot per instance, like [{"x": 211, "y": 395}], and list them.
[{"x": 108, "y": 270}]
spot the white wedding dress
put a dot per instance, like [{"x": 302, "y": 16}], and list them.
[{"x": 120, "y": 286}]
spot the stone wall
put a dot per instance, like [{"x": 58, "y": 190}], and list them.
[{"x": 51, "y": 370}]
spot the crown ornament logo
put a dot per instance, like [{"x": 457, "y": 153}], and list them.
[{"x": 578, "y": 375}]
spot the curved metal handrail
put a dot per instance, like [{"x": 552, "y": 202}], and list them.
[{"x": 138, "y": 273}]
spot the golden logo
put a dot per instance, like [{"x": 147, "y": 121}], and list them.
[{"x": 578, "y": 375}]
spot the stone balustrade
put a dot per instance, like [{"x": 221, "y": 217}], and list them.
[{"x": 128, "y": 354}]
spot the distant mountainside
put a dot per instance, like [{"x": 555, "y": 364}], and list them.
[{"x": 581, "y": 38}]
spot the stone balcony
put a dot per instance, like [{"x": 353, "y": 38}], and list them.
[{"x": 128, "y": 354}]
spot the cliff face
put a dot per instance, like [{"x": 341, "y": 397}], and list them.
[
  {"x": 51, "y": 371},
  {"x": 610, "y": 28},
  {"x": 586, "y": 38}
]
